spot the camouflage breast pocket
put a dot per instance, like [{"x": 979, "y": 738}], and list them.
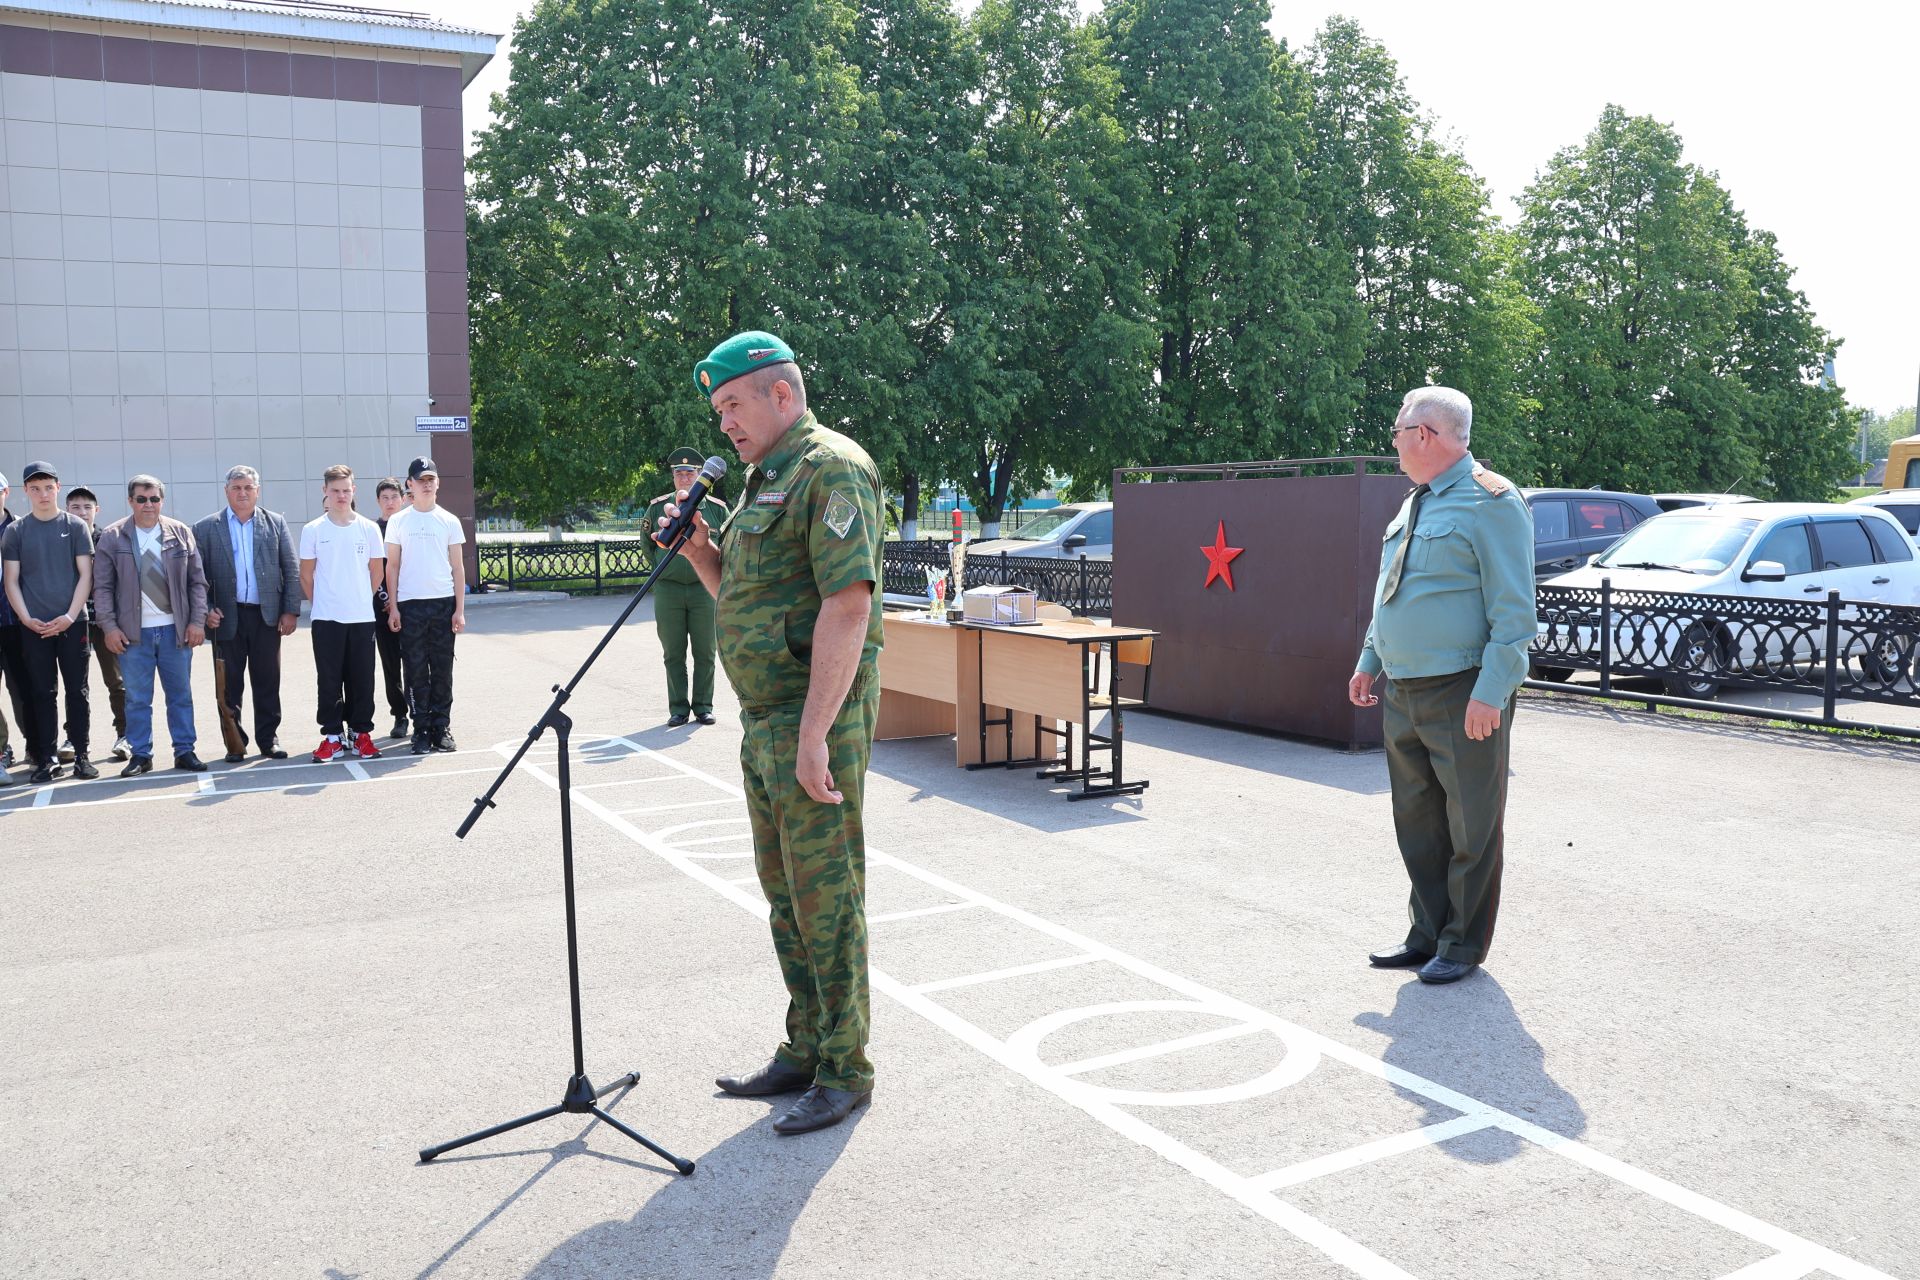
[{"x": 764, "y": 545}]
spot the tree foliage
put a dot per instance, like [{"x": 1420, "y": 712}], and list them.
[{"x": 1023, "y": 247}]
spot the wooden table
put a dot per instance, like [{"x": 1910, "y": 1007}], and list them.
[{"x": 968, "y": 680}]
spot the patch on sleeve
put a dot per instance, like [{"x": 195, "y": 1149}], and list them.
[{"x": 840, "y": 514}]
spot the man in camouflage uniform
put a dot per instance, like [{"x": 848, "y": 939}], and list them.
[
  {"x": 682, "y": 608},
  {"x": 798, "y": 584}
]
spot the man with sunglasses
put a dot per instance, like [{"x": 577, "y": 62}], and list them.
[
  {"x": 1453, "y": 617},
  {"x": 150, "y": 596}
]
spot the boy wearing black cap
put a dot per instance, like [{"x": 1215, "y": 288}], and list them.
[
  {"x": 426, "y": 592},
  {"x": 48, "y": 571}
]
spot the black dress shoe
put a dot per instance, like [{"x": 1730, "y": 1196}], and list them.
[
  {"x": 1400, "y": 957},
  {"x": 675, "y": 721},
  {"x": 705, "y": 717},
  {"x": 775, "y": 1077},
  {"x": 187, "y": 762},
  {"x": 273, "y": 751},
  {"x": 235, "y": 757},
  {"x": 137, "y": 766},
  {"x": 84, "y": 768},
  {"x": 1440, "y": 970},
  {"x": 819, "y": 1108}
]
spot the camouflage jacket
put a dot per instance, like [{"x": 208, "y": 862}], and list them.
[{"x": 808, "y": 524}]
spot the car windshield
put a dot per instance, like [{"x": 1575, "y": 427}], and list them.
[
  {"x": 1694, "y": 544},
  {"x": 1046, "y": 526}
]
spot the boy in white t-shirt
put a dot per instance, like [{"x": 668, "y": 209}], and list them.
[
  {"x": 342, "y": 562},
  {"x": 427, "y": 602}
]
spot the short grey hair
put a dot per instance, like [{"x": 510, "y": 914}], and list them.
[
  {"x": 144, "y": 481},
  {"x": 1451, "y": 408},
  {"x": 787, "y": 372},
  {"x": 242, "y": 472}
]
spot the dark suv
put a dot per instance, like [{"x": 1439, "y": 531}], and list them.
[{"x": 1571, "y": 524}]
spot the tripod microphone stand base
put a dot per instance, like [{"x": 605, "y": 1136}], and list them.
[{"x": 582, "y": 1099}]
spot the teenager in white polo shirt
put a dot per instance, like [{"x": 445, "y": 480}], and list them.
[
  {"x": 342, "y": 562},
  {"x": 427, "y": 602}
]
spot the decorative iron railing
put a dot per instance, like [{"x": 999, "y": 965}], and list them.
[{"x": 1696, "y": 645}]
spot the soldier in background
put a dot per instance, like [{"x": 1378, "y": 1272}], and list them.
[
  {"x": 683, "y": 610},
  {"x": 798, "y": 585}
]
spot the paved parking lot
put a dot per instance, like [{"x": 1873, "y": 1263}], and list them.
[{"x": 1113, "y": 1039}]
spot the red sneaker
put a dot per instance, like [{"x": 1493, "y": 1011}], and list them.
[
  {"x": 364, "y": 748},
  {"x": 329, "y": 750}
]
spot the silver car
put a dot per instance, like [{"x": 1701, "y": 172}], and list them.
[{"x": 1069, "y": 530}]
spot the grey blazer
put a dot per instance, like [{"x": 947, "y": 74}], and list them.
[{"x": 276, "y": 564}]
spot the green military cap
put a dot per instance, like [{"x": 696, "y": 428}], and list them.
[
  {"x": 742, "y": 353},
  {"x": 685, "y": 458}
]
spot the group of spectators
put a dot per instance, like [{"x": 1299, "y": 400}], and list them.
[{"x": 139, "y": 596}]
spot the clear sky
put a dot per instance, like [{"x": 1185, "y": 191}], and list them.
[{"x": 1810, "y": 113}]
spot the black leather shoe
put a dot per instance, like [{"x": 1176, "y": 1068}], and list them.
[
  {"x": 1440, "y": 970},
  {"x": 235, "y": 757},
  {"x": 187, "y": 762},
  {"x": 84, "y": 768},
  {"x": 820, "y": 1107},
  {"x": 1400, "y": 957},
  {"x": 675, "y": 721},
  {"x": 775, "y": 1077},
  {"x": 705, "y": 717},
  {"x": 137, "y": 766},
  {"x": 273, "y": 751}
]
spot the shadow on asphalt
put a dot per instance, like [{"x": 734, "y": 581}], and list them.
[
  {"x": 571, "y": 1148},
  {"x": 1467, "y": 1037},
  {"x": 926, "y": 765},
  {"x": 1751, "y": 728},
  {"x": 733, "y": 1217}
]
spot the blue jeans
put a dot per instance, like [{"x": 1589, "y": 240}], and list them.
[{"x": 156, "y": 648}]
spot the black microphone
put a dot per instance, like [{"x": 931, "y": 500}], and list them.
[{"x": 677, "y": 527}]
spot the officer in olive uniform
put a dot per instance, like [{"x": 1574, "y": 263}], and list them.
[
  {"x": 797, "y": 577},
  {"x": 682, "y": 608},
  {"x": 1453, "y": 617}
]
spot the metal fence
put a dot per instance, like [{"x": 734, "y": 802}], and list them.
[
  {"x": 1696, "y": 645},
  {"x": 1085, "y": 586},
  {"x": 1082, "y": 585}
]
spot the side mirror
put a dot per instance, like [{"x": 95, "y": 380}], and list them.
[
  {"x": 1765, "y": 571},
  {"x": 1074, "y": 542}
]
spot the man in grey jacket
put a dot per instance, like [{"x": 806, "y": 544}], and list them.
[
  {"x": 150, "y": 597},
  {"x": 253, "y": 599}
]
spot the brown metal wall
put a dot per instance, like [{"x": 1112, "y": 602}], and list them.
[{"x": 1275, "y": 652}]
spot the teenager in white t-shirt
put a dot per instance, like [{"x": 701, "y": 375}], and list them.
[
  {"x": 342, "y": 562},
  {"x": 427, "y": 602}
]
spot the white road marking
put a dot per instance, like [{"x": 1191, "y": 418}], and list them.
[
  {"x": 626, "y": 782},
  {"x": 340, "y": 778},
  {"x": 1781, "y": 1266},
  {"x": 996, "y": 975},
  {"x": 663, "y": 808},
  {"x": 1154, "y": 1050},
  {"x": 43, "y": 797},
  {"x": 357, "y": 771},
  {"x": 1354, "y": 1157},
  {"x": 919, "y": 911},
  {"x": 1019, "y": 1053}
]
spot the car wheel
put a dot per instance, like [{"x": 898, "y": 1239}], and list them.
[
  {"x": 1887, "y": 658},
  {"x": 1698, "y": 663}
]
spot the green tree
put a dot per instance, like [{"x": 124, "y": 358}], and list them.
[
  {"x": 1674, "y": 352},
  {"x": 1260, "y": 329},
  {"x": 1433, "y": 268},
  {"x": 1048, "y": 357},
  {"x": 1884, "y": 429},
  {"x": 653, "y": 181}
]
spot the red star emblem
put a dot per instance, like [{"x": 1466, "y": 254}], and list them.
[{"x": 1220, "y": 557}]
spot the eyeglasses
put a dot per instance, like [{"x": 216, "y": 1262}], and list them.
[
  {"x": 143, "y": 499},
  {"x": 1417, "y": 426}
]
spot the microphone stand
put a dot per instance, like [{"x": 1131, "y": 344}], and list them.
[{"x": 581, "y": 1098}]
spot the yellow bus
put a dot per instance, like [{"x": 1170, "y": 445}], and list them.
[{"x": 1903, "y": 464}]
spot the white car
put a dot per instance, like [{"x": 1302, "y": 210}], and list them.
[
  {"x": 1902, "y": 504},
  {"x": 1782, "y": 551}
]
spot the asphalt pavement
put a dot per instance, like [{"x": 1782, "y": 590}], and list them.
[{"x": 1118, "y": 1038}]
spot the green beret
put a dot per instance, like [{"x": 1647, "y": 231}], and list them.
[
  {"x": 685, "y": 458},
  {"x": 742, "y": 353}
]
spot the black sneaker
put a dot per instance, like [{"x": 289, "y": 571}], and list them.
[
  {"x": 7, "y": 760},
  {"x": 84, "y": 768},
  {"x": 422, "y": 744},
  {"x": 137, "y": 765},
  {"x": 42, "y": 773},
  {"x": 400, "y": 728},
  {"x": 443, "y": 741}
]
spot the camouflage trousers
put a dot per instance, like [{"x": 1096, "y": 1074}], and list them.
[{"x": 812, "y": 862}]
